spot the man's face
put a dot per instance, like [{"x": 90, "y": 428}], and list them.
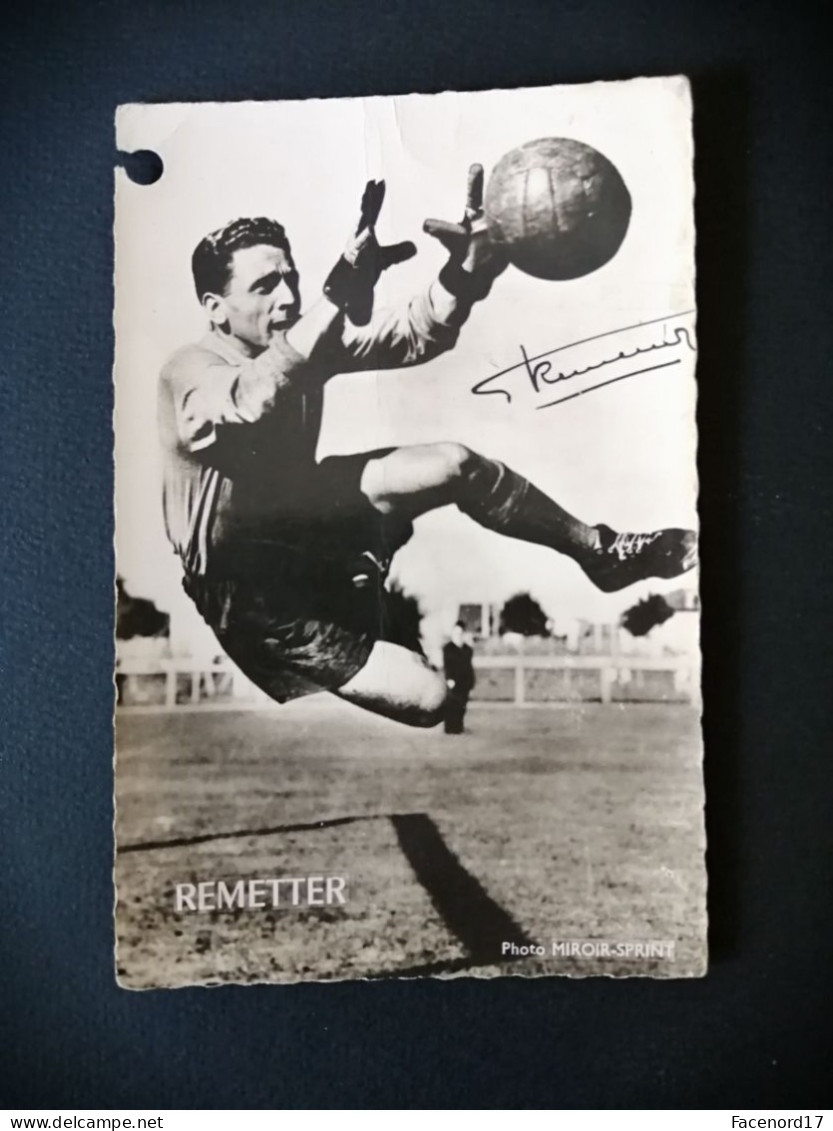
[
  {"x": 457, "y": 635},
  {"x": 261, "y": 296}
]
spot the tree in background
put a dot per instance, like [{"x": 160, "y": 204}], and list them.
[
  {"x": 136, "y": 616},
  {"x": 523, "y": 614},
  {"x": 646, "y": 614}
]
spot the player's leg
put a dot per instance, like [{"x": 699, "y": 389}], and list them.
[
  {"x": 413, "y": 480},
  {"x": 398, "y": 684},
  {"x": 289, "y": 658}
]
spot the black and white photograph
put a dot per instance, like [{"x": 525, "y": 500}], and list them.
[{"x": 407, "y": 660}]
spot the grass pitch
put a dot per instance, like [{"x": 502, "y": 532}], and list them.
[{"x": 539, "y": 825}]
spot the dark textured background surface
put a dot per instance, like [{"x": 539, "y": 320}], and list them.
[{"x": 757, "y": 1031}]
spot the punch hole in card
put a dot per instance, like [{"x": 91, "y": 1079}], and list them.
[
  {"x": 408, "y": 671},
  {"x": 144, "y": 167}
]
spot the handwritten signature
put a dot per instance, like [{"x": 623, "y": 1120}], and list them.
[{"x": 539, "y": 369}]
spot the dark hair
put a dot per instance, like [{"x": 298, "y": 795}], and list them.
[
  {"x": 211, "y": 261},
  {"x": 460, "y": 624}
]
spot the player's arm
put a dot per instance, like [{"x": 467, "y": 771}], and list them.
[
  {"x": 208, "y": 393},
  {"x": 430, "y": 323},
  {"x": 426, "y": 326},
  {"x": 348, "y": 290}
]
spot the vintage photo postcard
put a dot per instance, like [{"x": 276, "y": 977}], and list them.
[{"x": 408, "y": 676}]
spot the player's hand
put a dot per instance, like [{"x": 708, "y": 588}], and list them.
[
  {"x": 470, "y": 250},
  {"x": 350, "y": 283}
]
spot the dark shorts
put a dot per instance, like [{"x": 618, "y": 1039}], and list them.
[{"x": 305, "y": 618}]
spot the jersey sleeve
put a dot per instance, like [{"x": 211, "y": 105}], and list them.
[
  {"x": 423, "y": 328},
  {"x": 207, "y": 392}
]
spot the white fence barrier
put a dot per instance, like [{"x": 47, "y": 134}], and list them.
[
  {"x": 538, "y": 680},
  {"x": 521, "y": 680}
]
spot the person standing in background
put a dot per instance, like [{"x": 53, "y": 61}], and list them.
[{"x": 459, "y": 677}]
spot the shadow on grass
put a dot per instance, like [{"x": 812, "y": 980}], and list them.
[{"x": 467, "y": 910}]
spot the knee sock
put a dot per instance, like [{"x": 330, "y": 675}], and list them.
[{"x": 499, "y": 499}]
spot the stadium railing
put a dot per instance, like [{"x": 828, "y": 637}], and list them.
[{"x": 520, "y": 680}]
